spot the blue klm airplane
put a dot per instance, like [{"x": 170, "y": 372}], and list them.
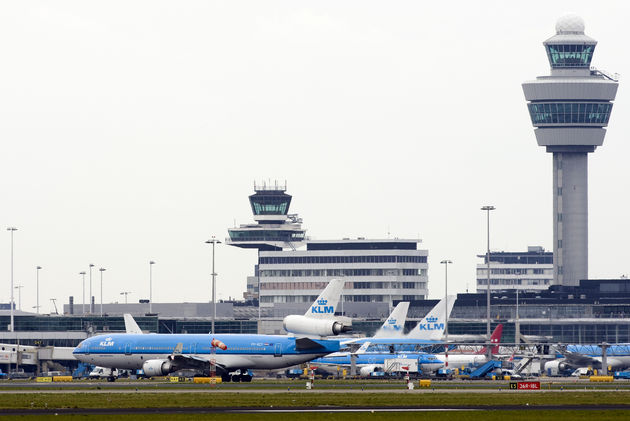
[{"x": 161, "y": 354}]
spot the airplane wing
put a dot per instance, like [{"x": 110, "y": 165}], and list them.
[
  {"x": 190, "y": 361},
  {"x": 579, "y": 360},
  {"x": 306, "y": 344}
]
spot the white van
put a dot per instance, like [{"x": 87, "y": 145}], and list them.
[
  {"x": 582, "y": 371},
  {"x": 103, "y": 373}
]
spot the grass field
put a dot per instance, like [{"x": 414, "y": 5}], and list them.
[
  {"x": 377, "y": 416},
  {"x": 304, "y": 399}
]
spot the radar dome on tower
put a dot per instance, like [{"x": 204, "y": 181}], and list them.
[{"x": 570, "y": 24}]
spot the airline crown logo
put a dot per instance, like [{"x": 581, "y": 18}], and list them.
[
  {"x": 107, "y": 342},
  {"x": 431, "y": 324},
  {"x": 322, "y": 308}
]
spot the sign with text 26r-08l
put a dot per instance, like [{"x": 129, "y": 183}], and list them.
[{"x": 525, "y": 385}]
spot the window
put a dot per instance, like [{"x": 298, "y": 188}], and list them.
[
  {"x": 570, "y": 55},
  {"x": 552, "y": 113}
]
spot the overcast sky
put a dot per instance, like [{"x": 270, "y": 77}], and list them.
[{"x": 134, "y": 131}]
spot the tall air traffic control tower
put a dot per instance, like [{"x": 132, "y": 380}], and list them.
[{"x": 570, "y": 109}]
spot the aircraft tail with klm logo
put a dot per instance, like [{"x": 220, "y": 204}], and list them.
[
  {"x": 431, "y": 328},
  {"x": 395, "y": 323},
  {"x": 326, "y": 304}
]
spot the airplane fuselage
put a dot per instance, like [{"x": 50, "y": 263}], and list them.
[
  {"x": 130, "y": 351},
  {"x": 428, "y": 362}
]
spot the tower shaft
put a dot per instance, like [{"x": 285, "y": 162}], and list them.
[{"x": 570, "y": 216}]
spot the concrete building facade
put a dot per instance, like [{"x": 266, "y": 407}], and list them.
[
  {"x": 531, "y": 270},
  {"x": 378, "y": 271}
]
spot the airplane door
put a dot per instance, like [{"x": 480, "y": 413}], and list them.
[
  {"x": 278, "y": 350},
  {"x": 128, "y": 349}
]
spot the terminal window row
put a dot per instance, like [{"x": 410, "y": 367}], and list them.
[
  {"x": 346, "y": 298},
  {"x": 349, "y": 285},
  {"x": 514, "y": 281},
  {"x": 342, "y": 272},
  {"x": 514, "y": 271},
  {"x": 342, "y": 259}
]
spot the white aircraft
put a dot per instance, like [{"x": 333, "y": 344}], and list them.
[
  {"x": 583, "y": 356},
  {"x": 463, "y": 358}
]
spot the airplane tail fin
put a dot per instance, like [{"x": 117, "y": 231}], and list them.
[
  {"x": 130, "y": 324},
  {"x": 495, "y": 338},
  {"x": 395, "y": 323},
  {"x": 326, "y": 304},
  {"x": 431, "y": 328}
]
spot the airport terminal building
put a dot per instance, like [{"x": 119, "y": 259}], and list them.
[
  {"x": 377, "y": 271},
  {"x": 531, "y": 270}
]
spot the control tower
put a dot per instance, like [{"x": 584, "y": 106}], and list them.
[
  {"x": 569, "y": 110},
  {"x": 275, "y": 229}
]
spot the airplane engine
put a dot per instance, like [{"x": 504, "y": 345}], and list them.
[
  {"x": 158, "y": 367},
  {"x": 367, "y": 370},
  {"x": 317, "y": 327},
  {"x": 557, "y": 368}
]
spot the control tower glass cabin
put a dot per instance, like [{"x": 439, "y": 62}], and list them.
[{"x": 275, "y": 229}]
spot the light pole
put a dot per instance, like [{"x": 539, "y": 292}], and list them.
[
  {"x": 151, "y": 263},
  {"x": 102, "y": 270},
  {"x": 518, "y": 323},
  {"x": 91, "y": 296},
  {"x": 37, "y": 287},
  {"x": 214, "y": 241},
  {"x": 12, "y": 230},
  {"x": 488, "y": 209},
  {"x": 19, "y": 288},
  {"x": 125, "y": 293},
  {"x": 83, "y": 276},
  {"x": 446, "y": 263}
]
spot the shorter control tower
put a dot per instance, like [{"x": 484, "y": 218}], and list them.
[
  {"x": 570, "y": 109},
  {"x": 275, "y": 228}
]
